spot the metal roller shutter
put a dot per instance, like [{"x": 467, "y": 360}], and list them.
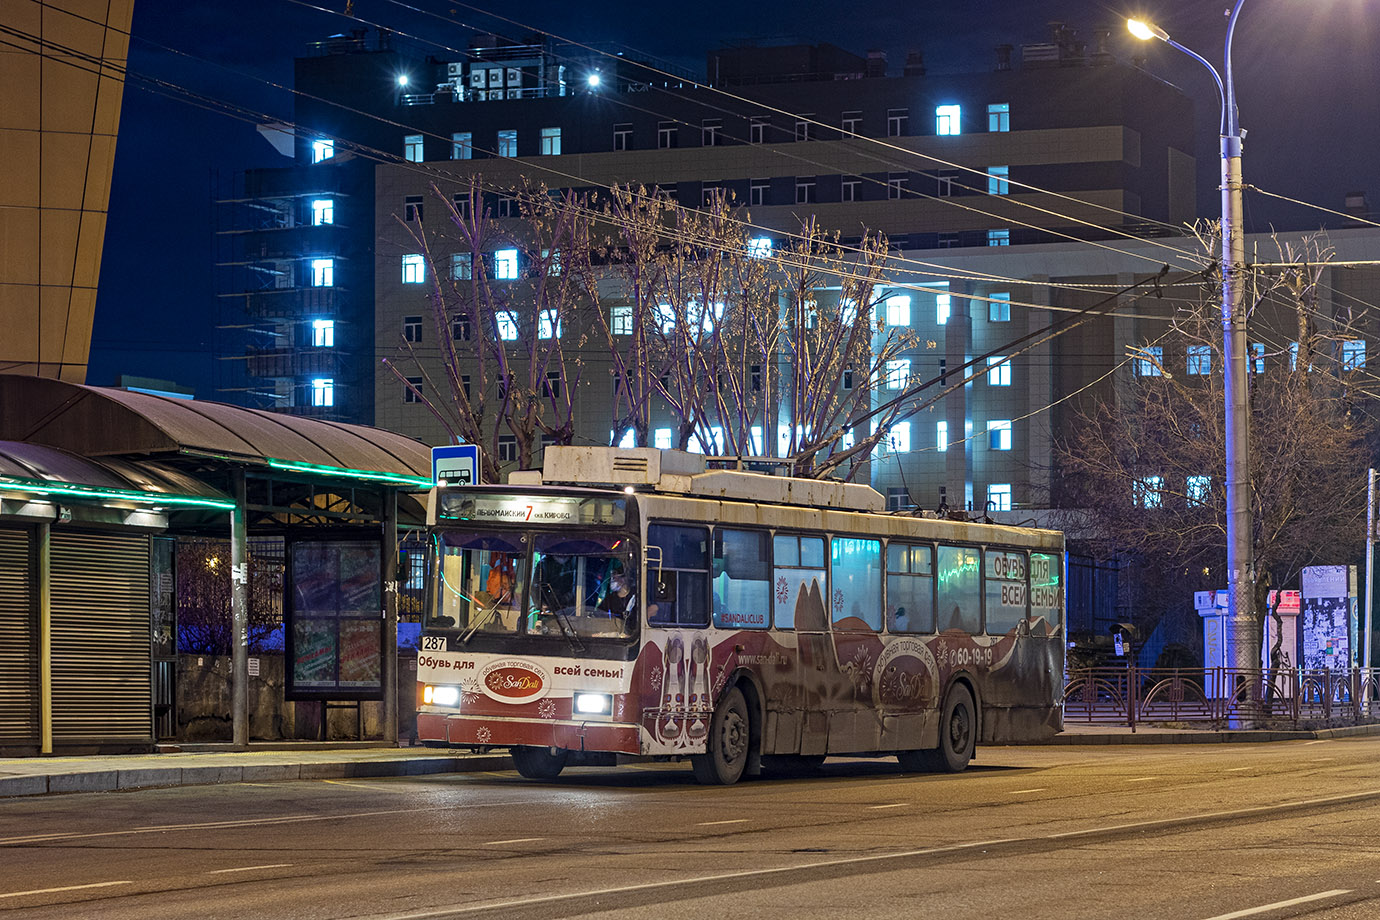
[
  {"x": 18, "y": 642},
  {"x": 101, "y": 662}
]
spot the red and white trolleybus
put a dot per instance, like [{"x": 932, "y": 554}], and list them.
[{"x": 631, "y": 603}]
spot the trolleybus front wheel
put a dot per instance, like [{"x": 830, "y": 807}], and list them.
[
  {"x": 729, "y": 741},
  {"x": 539, "y": 762},
  {"x": 957, "y": 737}
]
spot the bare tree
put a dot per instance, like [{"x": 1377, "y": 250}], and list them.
[{"x": 1146, "y": 467}]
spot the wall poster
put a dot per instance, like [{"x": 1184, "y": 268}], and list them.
[{"x": 334, "y": 609}]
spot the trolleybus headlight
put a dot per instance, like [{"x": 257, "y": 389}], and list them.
[
  {"x": 594, "y": 703},
  {"x": 441, "y": 696}
]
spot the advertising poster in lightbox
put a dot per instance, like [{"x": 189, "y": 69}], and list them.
[{"x": 334, "y": 609}]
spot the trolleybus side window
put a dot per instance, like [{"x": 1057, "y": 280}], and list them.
[
  {"x": 742, "y": 579},
  {"x": 1004, "y": 582},
  {"x": 798, "y": 583},
  {"x": 856, "y": 570},
  {"x": 681, "y": 587},
  {"x": 960, "y": 587},
  {"x": 909, "y": 588},
  {"x": 1046, "y": 593}
]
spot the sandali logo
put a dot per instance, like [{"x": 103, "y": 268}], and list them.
[{"x": 513, "y": 680}]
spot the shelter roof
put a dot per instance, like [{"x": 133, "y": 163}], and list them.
[{"x": 99, "y": 422}]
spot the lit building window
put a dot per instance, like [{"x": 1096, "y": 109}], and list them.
[
  {"x": 413, "y": 268},
  {"x": 946, "y": 119},
  {"x": 322, "y": 211},
  {"x": 461, "y": 145},
  {"x": 661, "y": 439},
  {"x": 898, "y": 438},
  {"x": 621, "y": 321},
  {"x": 759, "y": 247},
  {"x": 999, "y": 496},
  {"x": 506, "y": 321},
  {"x": 323, "y": 391},
  {"x": 999, "y": 116},
  {"x": 549, "y": 325},
  {"x": 759, "y": 447},
  {"x": 847, "y": 442},
  {"x": 999, "y": 371},
  {"x": 550, "y": 142},
  {"x": 1147, "y": 492},
  {"x": 999, "y": 309},
  {"x": 323, "y": 333},
  {"x": 1256, "y": 363},
  {"x": 506, "y": 264},
  {"x": 897, "y": 374},
  {"x": 1149, "y": 364},
  {"x": 507, "y": 143},
  {"x": 1196, "y": 489},
  {"x": 412, "y": 148},
  {"x": 629, "y": 439},
  {"x": 1353, "y": 354},
  {"x": 1200, "y": 360},
  {"x": 323, "y": 272},
  {"x": 998, "y": 237},
  {"x": 322, "y": 150},
  {"x": 941, "y": 436},
  {"x": 999, "y": 434},
  {"x": 898, "y": 310},
  {"x": 997, "y": 183},
  {"x": 943, "y": 306},
  {"x": 462, "y": 266}
]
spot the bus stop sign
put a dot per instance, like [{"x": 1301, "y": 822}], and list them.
[{"x": 457, "y": 464}]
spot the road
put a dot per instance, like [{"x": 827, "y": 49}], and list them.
[{"x": 1187, "y": 832}]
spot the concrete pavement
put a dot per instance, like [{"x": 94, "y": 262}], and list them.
[{"x": 203, "y": 764}]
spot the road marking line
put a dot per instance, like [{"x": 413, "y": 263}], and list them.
[
  {"x": 20, "y": 894},
  {"x": 244, "y": 822},
  {"x": 1237, "y": 769},
  {"x": 1280, "y": 905},
  {"x": 1319, "y": 741},
  {"x": 713, "y": 823},
  {"x": 249, "y": 868},
  {"x": 1024, "y": 791},
  {"x": 897, "y": 805},
  {"x": 1143, "y": 779},
  {"x": 380, "y": 788},
  {"x": 494, "y": 843}
]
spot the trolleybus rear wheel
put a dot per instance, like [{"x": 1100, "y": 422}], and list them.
[
  {"x": 539, "y": 762},
  {"x": 729, "y": 741},
  {"x": 957, "y": 737}
]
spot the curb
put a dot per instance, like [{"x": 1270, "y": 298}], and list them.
[
  {"x": 163, "y": 777},
  {"x": 1245, "y": 736}
]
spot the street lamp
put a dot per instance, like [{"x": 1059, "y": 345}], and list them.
[{"x": 1242, "y": 633}]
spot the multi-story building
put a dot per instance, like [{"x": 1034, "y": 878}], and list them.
[{"x": 1054, "y": 143}]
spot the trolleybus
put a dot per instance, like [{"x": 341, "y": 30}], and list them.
[{"x": 623, "y": 604}]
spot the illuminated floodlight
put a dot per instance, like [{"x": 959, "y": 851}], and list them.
[
  {"x": 403, "y": 79},
  {"x": 594, "y": 80}
]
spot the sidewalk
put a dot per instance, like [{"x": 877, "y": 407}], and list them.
[{"x": 205, "y": 764}]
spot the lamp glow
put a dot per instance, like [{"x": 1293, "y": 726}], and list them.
[
  {"x": 402, "y": 79},
  {"x": 593, "y": 79},
  {"x": 1146, "y": 30}
]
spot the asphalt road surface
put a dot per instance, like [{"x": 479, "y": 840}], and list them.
[{"x": 1187, "y": 832}]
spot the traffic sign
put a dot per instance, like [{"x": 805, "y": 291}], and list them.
[{"x": 457, "y": 464}]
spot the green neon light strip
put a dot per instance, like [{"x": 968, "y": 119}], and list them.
[
  {"x": 65, "y": 490},
  {"x": 340, "y": 471}
]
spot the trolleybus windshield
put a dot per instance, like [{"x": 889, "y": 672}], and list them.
[{"x": 537, "y": 583}]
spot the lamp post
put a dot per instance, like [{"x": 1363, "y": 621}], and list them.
[{"x": 1243, "y": 630}]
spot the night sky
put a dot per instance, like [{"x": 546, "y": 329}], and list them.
[{"x": 1307, "y": 74}]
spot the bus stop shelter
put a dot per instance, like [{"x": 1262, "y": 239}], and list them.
[{"x": 193, "y": 467}]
